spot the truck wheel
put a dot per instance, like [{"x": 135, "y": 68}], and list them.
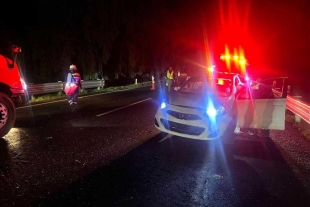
[{"x": 7, "y": 114}]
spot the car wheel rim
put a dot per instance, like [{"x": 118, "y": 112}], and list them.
[{"x": 3, "y": 115}]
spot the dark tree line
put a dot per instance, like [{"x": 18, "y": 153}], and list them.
[{"x": 115, "y": 38}]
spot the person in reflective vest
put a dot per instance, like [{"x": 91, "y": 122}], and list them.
[
  {"x": 74, "y": 77},
  {"x": 169, "y": 78}
]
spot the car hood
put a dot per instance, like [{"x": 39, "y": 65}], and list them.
[{"x": 191, "y": 100}]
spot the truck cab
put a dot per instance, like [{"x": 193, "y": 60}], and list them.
[{"x": 12, "y": 91}]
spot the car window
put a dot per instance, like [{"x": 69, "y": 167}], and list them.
[
  {"x": 221, "y": 86},
  {"x": 257, "y": 90},
  {"x": 193, "y": 85}
]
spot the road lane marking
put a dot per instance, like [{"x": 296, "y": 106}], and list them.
[
  {"x": 45, "y": 103},
  {"x": 123, "y": 107},
  {"x": 80, "y": 97}
]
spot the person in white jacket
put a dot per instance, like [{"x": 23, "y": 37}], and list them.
[{"x": 74, "y": 77}]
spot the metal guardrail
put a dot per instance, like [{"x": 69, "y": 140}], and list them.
[
  {"x": 299, "y": 108},
  {"x": 35, "y": 89},
  {"x": 293, "y": 104}
]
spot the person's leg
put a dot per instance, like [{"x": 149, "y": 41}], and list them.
[
  {"x": 75, "y": 100},
  {"x": 169, "y": 85},
  {"x": 70, "y": 100}
]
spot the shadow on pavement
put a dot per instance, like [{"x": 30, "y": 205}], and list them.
[{"x": 184, "y": 172}]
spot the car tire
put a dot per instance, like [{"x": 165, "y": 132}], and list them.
[{"x": 7, "y": 114}]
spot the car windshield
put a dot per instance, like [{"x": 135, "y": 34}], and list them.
[
  {"x": 222, "y": 87},
  {"x": 193, "y": 85}
]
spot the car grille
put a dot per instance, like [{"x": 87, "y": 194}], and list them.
[
  {"x": 183, "y": 116},
  {"x": 182, "y": 128}
]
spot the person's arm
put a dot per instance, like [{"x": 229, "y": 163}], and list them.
[{"x": 69, "y": 78}]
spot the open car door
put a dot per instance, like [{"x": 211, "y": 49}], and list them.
[{"x": 261, "y": 105}]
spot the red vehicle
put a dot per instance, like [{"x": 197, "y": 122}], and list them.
[{"x": 12, "y": 91}]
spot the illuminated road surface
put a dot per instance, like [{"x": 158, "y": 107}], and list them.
[{"x": 110, "y": 154}]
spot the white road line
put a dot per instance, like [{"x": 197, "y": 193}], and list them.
[
  {"x": 41, "y": 104},
  {"x": 122, "y": 107},
  {"x": 86, "y": 96}
]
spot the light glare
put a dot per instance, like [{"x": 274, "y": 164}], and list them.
[
  {"x": 163, "y": 105},
  {"x": 211, "y": 112}
]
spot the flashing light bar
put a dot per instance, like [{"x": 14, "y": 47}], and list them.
[
  {"x": 240, "y": 59},
  {"x": 211, "y": 69}
]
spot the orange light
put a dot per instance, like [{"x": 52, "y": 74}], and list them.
[
  {"x": 242, "y": 62},
  {"x": 220, "y": 81}
]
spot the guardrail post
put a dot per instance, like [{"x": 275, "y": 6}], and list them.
[
  {"x": 62, "y": 86},
  {"x": 153, "y": 83},
  {"x": 297, "y": 118},
  {"x": 100, "y": 83},
  {"x": 81, "y": 90}
]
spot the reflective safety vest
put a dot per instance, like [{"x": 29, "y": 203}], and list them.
[{"x": 170, "y": 74}]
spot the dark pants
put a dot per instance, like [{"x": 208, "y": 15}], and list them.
[
  {"x": 72, "y": 100},
  {"x": 169, "y": 84}
]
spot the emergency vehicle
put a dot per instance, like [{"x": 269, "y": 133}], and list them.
[{"x": 12, "y": 91}]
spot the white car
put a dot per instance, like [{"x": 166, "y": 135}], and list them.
[{"x": 202, "y": 108}]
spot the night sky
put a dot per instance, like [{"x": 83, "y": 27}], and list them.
[{"x": 275, "y": 35}]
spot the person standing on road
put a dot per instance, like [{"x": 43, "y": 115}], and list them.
[
  {"x": 169, "y": 79},
  {"x": 74, "y": 77}
]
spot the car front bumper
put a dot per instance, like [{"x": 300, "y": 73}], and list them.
[{"x": 186, "y": 122}]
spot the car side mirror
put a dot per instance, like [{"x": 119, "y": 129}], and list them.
[{"x": 16, "y": 49}]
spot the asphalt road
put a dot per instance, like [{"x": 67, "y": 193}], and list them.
[{"x": 109, "y": 153}]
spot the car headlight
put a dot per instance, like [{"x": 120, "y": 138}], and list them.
[
  {"x": 213, "y": 112},
  {"x": 23, "y": 84},
  {"x": 163, "y": 105}
]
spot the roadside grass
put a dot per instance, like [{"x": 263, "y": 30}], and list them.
[
  {"x": 301, "y": 126},
  {"x": 61, "y": 95}
]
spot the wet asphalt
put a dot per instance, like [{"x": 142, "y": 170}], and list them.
[{"x": 109, "y": 153}]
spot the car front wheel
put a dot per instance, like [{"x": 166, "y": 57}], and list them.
[{"x": 7, "y": 114}]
